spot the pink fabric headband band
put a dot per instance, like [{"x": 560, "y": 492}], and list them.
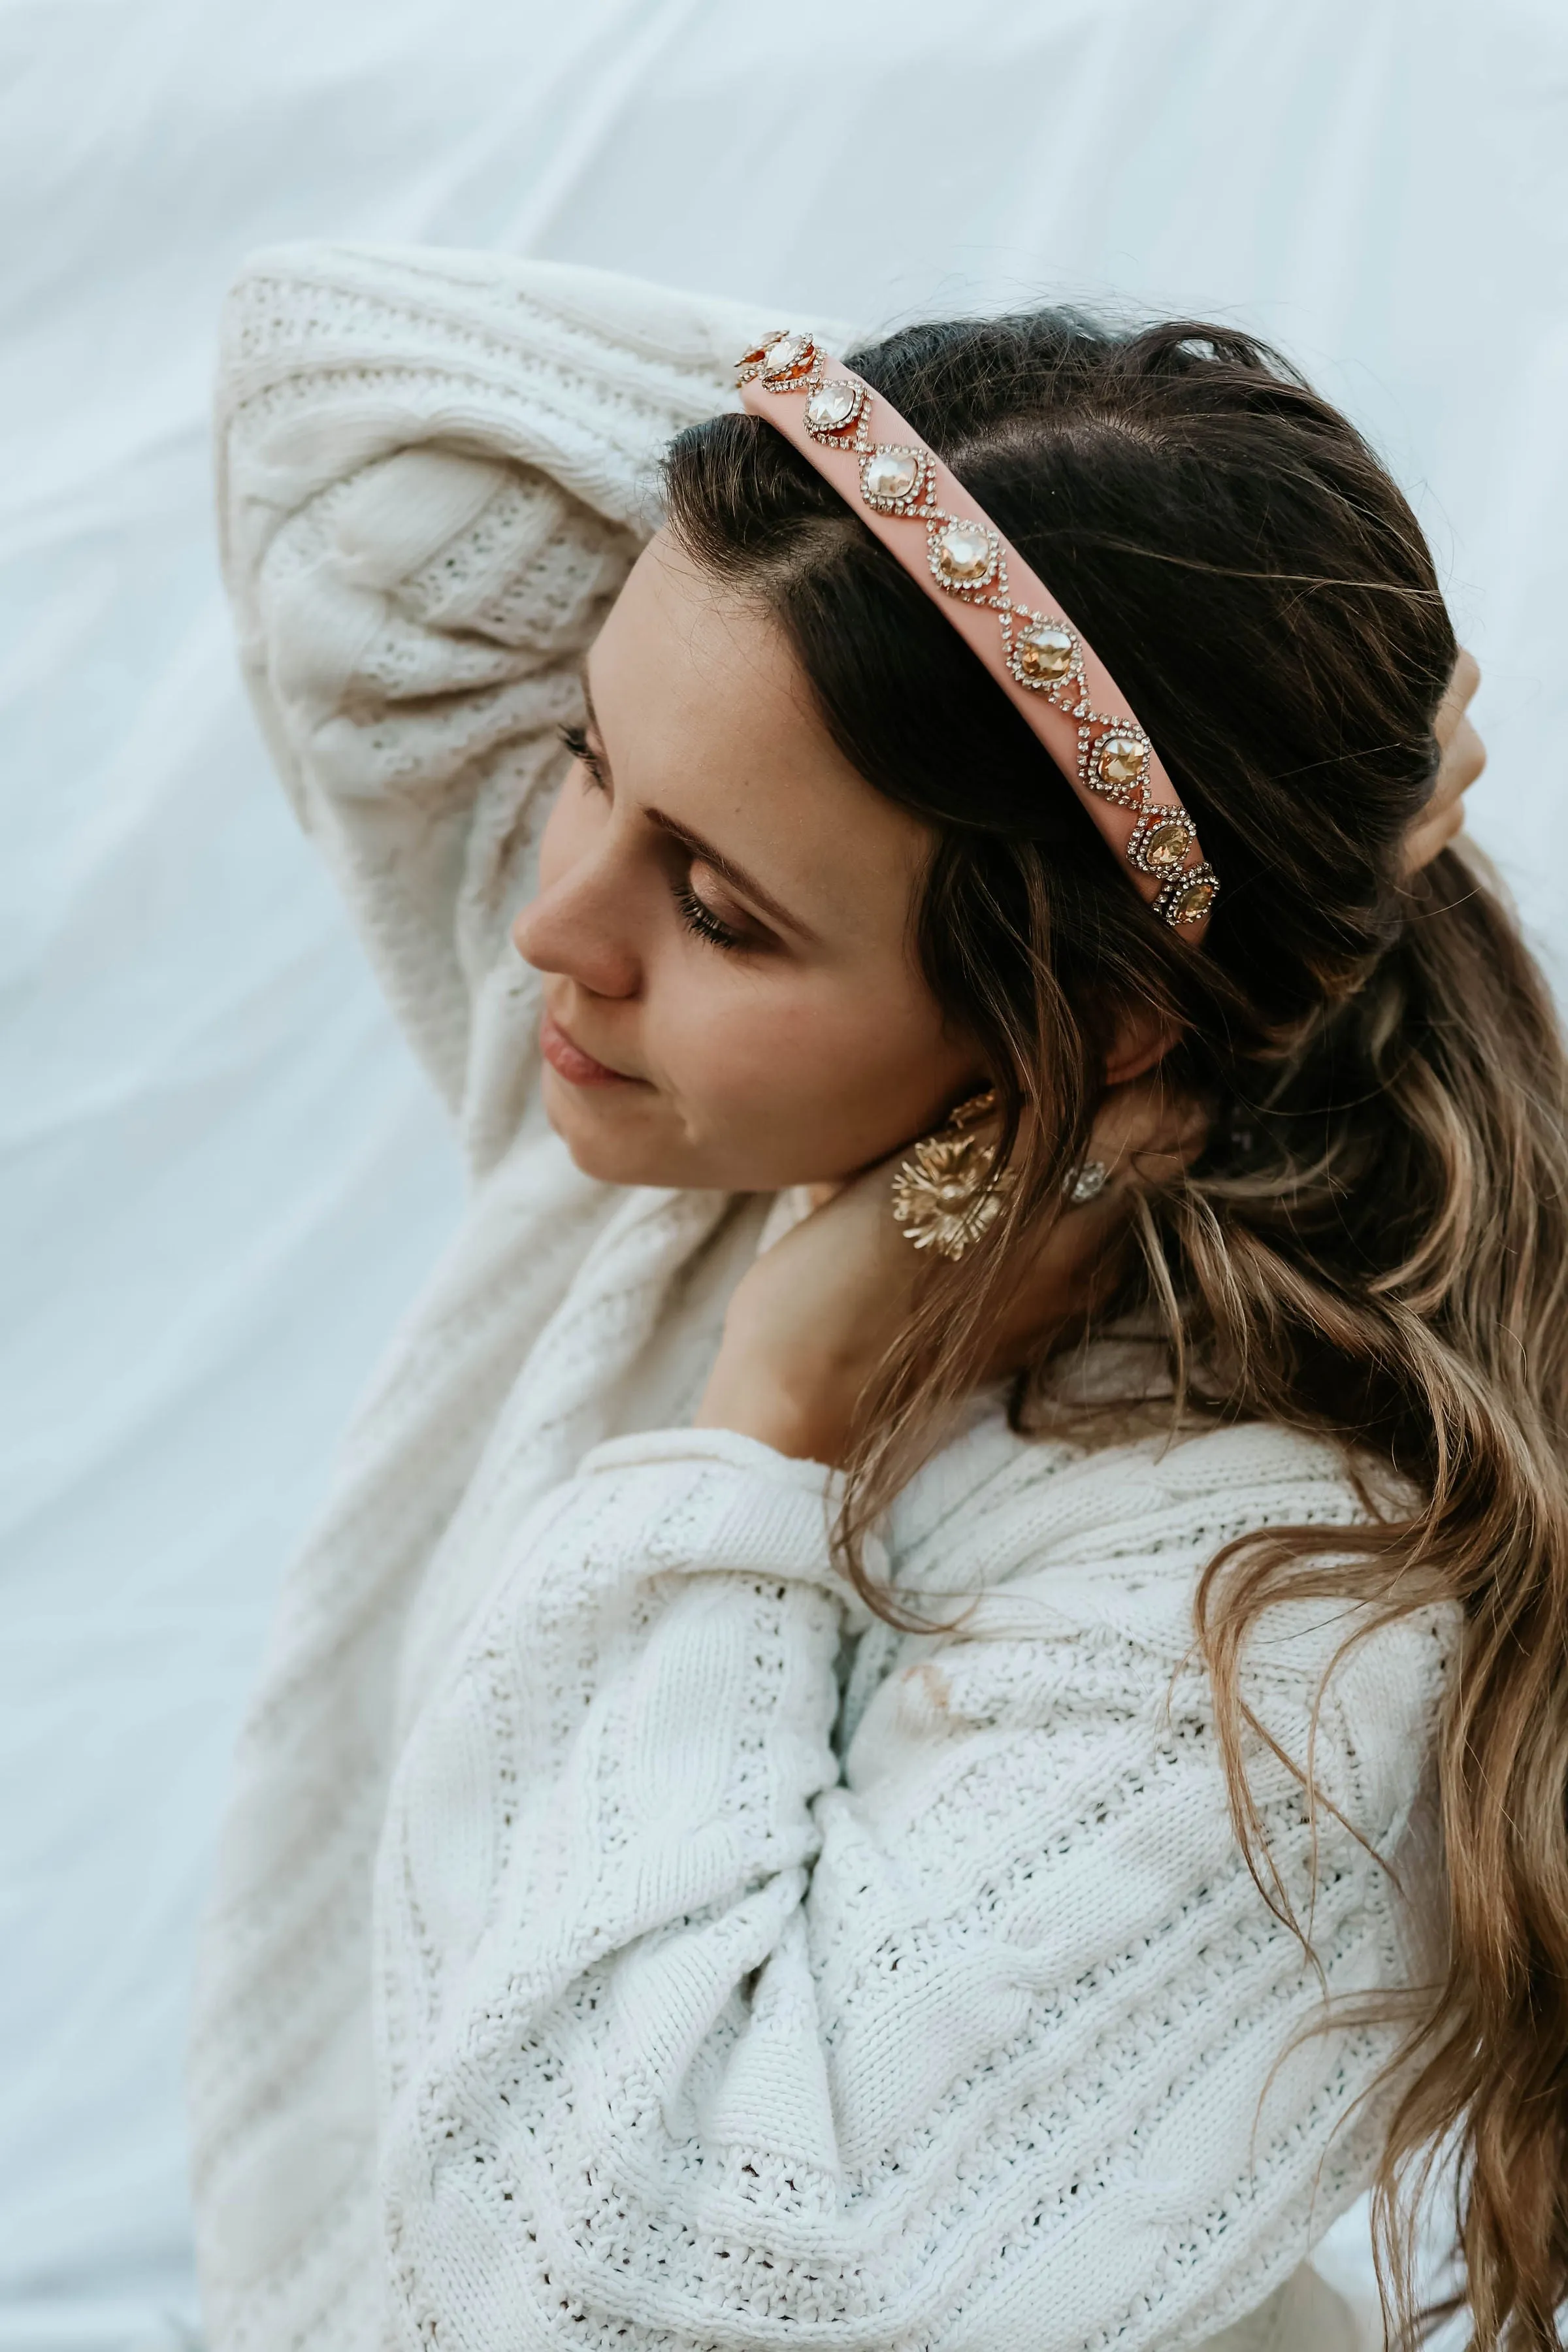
[{"x": 885, "y": 472}]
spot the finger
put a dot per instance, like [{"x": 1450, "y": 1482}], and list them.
[
  {"x": 1463, "y": 756},
  {"x": 1434, "y": 833},
  {"x": 1456, "y": 696},
  {"x": 1466, "y": 755},
  {"x": 1055, "y": 1277},
  {"x": 1462, "y": 762},
  {"x": 1444, "y": 814},
  {"x": 1146, "y": 1132}
]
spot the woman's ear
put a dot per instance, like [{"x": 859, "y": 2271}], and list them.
[{"x": 1141, "y": 1040}]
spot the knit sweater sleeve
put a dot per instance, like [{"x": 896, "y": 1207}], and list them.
[
  {"x": 435, "y": 470},
  {"x": 695, "y": 2035}
]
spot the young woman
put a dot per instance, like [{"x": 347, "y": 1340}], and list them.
[{"x": 930, "y": 1711}]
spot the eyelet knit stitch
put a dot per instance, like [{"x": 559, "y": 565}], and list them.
[{"x": 618, "y": 1942}]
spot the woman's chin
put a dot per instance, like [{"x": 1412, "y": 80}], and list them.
[{"x": 611, "y": 1134}]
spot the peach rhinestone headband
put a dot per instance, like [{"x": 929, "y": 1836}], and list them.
[{"x": 864, "y": 448}]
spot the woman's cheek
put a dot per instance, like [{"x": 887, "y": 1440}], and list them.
[
  {"x": 730, "y": 1045},
  {"x": 721, "y": 1046},
  {"x": 805, "y": 1063}
]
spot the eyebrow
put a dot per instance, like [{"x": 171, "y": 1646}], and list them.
[{"x": 736, "y": 875}]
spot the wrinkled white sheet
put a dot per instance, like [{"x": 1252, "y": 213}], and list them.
[{"x": 221, "y": 1175}]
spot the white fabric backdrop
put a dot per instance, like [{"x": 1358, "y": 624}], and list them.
[{"x": 221, "y": 1174}]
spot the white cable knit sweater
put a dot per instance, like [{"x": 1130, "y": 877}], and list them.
[{"x": 619, "y": 1942}]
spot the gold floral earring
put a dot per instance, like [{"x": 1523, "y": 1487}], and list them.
[{"x": 944, "y": 1195}]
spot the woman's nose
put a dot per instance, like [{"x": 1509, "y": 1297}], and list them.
[{"x": 567, "y": 929}]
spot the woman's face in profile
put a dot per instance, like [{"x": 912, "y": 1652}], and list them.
[{"x": 724, "y": 917}]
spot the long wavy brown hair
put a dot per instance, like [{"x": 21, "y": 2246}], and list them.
[{"x": 1373, "y": 1246}]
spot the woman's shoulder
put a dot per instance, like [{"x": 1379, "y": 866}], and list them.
[
  {"x": 1115, "y": 1537},
  {"x": 1132, "y": 1490},
  {"x": 1077, "y": 1569}
]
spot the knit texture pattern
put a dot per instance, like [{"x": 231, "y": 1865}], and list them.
[{"x": 619, "y": 1939}]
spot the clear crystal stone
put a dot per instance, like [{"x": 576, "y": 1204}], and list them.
[
  {"x": 1044, "y": 650},
  {"x": 786, "y": 355},
  {"x": 831, "y": 405},
  {"x": 1120, "y": 760},
  {"x": 963, "y": 552},
  {"x": 889, "y": 474}
]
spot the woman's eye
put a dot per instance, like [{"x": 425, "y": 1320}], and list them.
[
  {"x": 703, "y": 921},
  {"x": 575, "y": 740}
]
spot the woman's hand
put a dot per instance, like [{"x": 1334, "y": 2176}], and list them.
[
  {"x": 811, "y": 1319},
  {"x": 1464, "y": 755}
]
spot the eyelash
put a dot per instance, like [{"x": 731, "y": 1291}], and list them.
[
  {"x": 698, "y": 918},
  {"x": 704, "y": 921},
  {"x": 575, "y": 740}
]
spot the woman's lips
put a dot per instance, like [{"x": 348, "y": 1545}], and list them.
[{"x": 568, "y": 1060}]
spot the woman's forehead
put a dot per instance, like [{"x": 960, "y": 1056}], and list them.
[{"x": 704, "y": 712}]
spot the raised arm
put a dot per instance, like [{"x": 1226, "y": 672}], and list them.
[
  {"x": 435, "y": 470},
  {"x": 696, "y": 2037}
]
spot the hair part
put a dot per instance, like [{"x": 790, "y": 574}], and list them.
[{"x": 1373, "y": 1247}]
